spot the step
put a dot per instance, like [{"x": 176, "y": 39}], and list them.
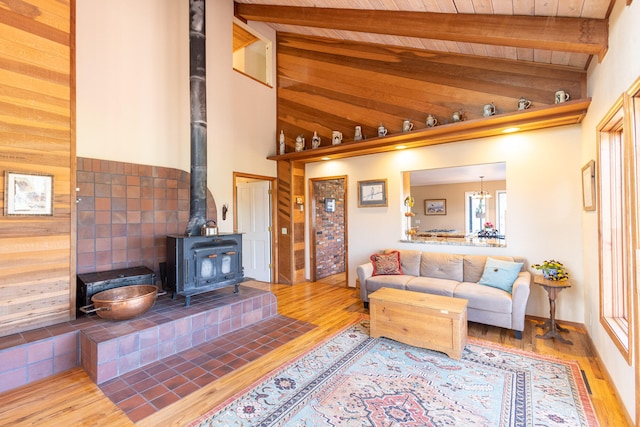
[{"x": 107, "y": 349}]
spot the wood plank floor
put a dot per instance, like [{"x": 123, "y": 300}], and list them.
[{"x": 72, "y": 399}]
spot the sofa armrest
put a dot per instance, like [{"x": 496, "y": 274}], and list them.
[
  {"x": 519, "y": 298},
  {"x": 364, "y": 271}
]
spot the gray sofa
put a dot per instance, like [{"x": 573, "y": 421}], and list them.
[{"x": 456, "y": 276}]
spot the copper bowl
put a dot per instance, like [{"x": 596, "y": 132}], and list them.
[{"x": 123, "y": 303}]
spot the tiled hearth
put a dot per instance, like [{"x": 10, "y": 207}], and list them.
[
  {"x": 108, "y": 349},
  {"x": 112, "y": 349},
  {"x": 146, "y": 390},
  {"x": 153, "y": 360}
]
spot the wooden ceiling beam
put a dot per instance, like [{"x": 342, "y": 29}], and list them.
[{"x": 577, "y": 35}]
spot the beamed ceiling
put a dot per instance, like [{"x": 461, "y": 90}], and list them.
[
  {"x": 347, "y": 63},
  {"x": 560, "y": 32}
]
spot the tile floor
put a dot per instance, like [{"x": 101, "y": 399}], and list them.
[{"x": 142, "y": 392}]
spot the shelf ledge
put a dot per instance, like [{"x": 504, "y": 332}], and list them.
[{"x": 566, "y": 113}]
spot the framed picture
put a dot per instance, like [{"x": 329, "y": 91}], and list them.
[
  {"x": 329, "y": 204},
  {"x": 435, "y": 207},
  {"x": 28, "y": 193},
  {"x": 372, "y": 193},
  {"x": 589, "y": 186}
]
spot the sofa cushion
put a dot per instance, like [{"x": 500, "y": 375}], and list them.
[
  {"x": 433, "y": 285},
  {"x": 441, "y": 266},
  {"x": 393, "y": 281},
  {"x": 409, "y": 261},
  {"x": 484, "y": 297},
  {"x": 473, "y": 266},
  {"x": 500, "y": 274},
  {"x": 385, "y": 264}
]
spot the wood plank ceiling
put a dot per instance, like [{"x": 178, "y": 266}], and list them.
[
  {"x": 560, "y": 32},
  {"x": 347, "y": 63}
]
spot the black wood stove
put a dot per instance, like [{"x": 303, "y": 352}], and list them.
[{"x": 197, "y": 264}]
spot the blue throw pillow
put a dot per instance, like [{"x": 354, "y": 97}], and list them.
[{"x": 500, "y": 274}]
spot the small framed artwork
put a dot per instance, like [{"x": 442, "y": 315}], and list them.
[
  {"x": 589, "y": 186},
  {"x": 28, "y": 193},
  {"x": 329, "y": 204},
  {"x": 435, "y": 207},
  {"x": 372, "y": 193}
]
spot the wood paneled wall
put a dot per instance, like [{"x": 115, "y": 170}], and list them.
[
  {"x": 291, "y": 259},
  {"x": 325, "y": 85},
  {"x": 36, "y": 135},
  {"x": 284, "y": 220}
]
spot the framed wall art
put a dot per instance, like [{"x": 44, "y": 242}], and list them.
[
  {"x": 589, "y": 186},
  {"x": 27, "y": 193},
  {"x": 435, "y": 207},
  {"x": 372, "y": 193}
]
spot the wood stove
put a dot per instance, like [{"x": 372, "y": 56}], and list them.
[{"x": 197, "y": 264}]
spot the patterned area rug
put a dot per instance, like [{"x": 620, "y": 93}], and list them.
[{"x": 355, "y": 380}]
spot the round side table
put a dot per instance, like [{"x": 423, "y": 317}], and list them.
[{"x": 553, "y": 288}]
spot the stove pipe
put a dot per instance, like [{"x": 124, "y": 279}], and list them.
[{"x": 198, "y": 101}]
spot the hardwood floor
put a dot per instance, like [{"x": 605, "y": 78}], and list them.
[{"x": 72, "y": 399}]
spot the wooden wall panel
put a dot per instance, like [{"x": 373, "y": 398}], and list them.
[
  {"x": 298, "y": 221},
  {"x": 37, "y": 265},
  {"x": 284, "y": 220},
  {"x": 291, "y": 260},
  {"x": 326, "y": 85}
]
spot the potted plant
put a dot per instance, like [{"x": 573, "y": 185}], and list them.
[
  {"x": 488, "y": 225},
  {"x": 552, "y": 270}
]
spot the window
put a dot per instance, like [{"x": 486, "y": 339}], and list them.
[
  {"x": 475, "y": 213},
  {"x": 252, "y": 53},
  {"x": 616, "y": 225},
  {"x": 501, "y": 211}
]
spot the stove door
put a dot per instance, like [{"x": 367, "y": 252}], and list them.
[{"x": 207, "y": 266}]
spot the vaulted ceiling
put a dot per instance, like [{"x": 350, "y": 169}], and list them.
[
  {"x": 347, "y": 63},
  {"x": 559, "y": 32}
]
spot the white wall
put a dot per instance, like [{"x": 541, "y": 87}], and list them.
[
  {"x": 607, "y": 81},
  {"x": 133, "y": 92},
  {"x": 544, "y": 199}
]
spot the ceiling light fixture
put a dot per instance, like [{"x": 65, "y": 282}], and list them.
[
  {"x": 400, "y": 147},
  {"x": 325, "y": 158},
  {"x": 482, "y": 194}
]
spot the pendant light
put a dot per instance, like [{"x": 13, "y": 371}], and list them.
[{"x": 482, "y": 194}]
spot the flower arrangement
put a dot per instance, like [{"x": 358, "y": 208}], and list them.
[
  {"x": 488, "y": 225},
  {"x": 552, "y": 270}
]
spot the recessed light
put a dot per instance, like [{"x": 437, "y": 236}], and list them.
[
  {"x": 510, "y": 130},
  {"x": 325, "y": 158},
  {"x": 400, "y": 147}
]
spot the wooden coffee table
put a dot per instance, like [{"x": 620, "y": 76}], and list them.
[{"x": 422, "y": 320}]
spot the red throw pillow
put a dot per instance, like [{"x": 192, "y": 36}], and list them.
[{"x": 385, "y": 264}]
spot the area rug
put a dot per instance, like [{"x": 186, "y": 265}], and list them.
[{"x": 355, "y": 380}]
